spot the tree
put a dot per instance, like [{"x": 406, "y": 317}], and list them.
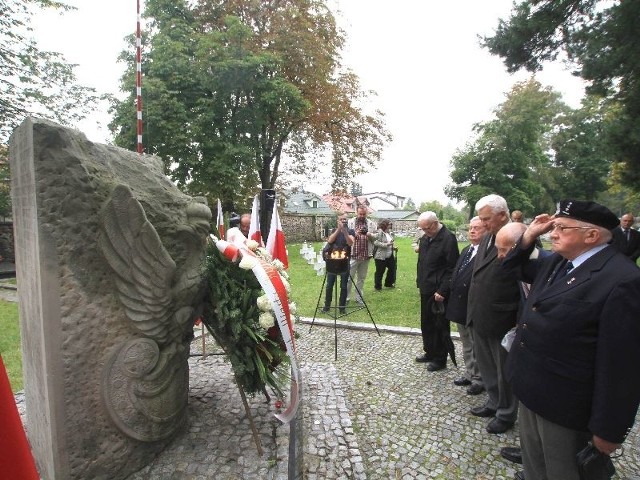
[
  {"x": 5, "y": 182},
  {"x": 235, "y": 87},
  {"x": 510, "y": 153},
  {"x": 601, "y": 39},
  {"x": 409, "y": 205},
  {"x": 582, "y": 157},
  {"x": 34, "y": 81}
]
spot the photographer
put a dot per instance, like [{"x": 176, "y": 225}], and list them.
[
  {"x": 340, "y": 239},
  {"x": 361, "y": 253}
]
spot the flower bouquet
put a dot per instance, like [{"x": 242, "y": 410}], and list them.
[{"x": 241, "y": 320}]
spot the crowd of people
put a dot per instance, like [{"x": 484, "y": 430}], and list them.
[{"x": 552, "y": 336}]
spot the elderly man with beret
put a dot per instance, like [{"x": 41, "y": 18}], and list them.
[{"x": 577, "y": 342}]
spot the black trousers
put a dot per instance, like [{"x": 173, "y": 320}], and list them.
[
  {"x": 388, "y": 264},
  {"x": 331, "y": 280},
  {"x": 434, "y": 331}
]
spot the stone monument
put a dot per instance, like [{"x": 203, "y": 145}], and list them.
[{"x": 108, "y": 257}]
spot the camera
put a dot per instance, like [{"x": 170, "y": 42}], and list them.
[
  {"x": 364, "y": 230},
  {"x": 344, "y": 224}
]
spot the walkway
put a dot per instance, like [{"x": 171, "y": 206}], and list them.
[{"x": 372, "y": 414}]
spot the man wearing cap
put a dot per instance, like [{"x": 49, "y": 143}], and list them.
[{"x": 577, "y": 342}]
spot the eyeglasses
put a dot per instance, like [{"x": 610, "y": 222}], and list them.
[{"x": 562, "y": 228}]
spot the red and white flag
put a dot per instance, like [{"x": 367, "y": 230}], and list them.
[
  {"x": 15, "y": 453},
  {"x": 276, "y": 245},
  {"x": 220, "y": 222},
  {"x": 254, "y": 227}
]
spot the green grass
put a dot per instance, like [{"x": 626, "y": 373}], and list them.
[
  {"x": 10, "y": 343},
  {"x": 399, "y": 306}
]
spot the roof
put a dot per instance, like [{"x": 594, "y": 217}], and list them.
[
  {"x": 396, "y": 214},
  {"x": 346, "y": 203},
  {"x": 303, "y": 203}
]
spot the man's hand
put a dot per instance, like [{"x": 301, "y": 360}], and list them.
[
  {"x": 541, "y": 224},
  {"x": 604, "y": 446}
]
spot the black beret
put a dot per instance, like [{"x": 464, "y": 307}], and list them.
[{"x": 590, "y": 212}]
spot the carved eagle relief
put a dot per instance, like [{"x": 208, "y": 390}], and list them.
[{"x": 145, "y": 382}]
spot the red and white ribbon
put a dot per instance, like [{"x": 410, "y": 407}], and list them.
[{"x": 271, "y": 282}]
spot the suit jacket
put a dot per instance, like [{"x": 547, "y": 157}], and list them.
[
  {"x": 436, "y": 259},
  {"x": 576, "y": 353},
  {"x": 494, "y": 294},
  {"x": 459, "y": 293},
  {"x": 630, "y": 248}
]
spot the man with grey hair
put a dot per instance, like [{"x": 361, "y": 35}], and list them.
[
  {"x": 437, "y": 256},
  {"x": 494, "y": 300}
]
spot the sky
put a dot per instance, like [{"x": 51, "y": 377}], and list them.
[{"x": 422, "y": 58}]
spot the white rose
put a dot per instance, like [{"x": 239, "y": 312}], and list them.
[
  {"x": 293, "y": 308},
  {"x": 252, "y": 245},
  {"x": 264, "y": 304},
  {"x": 266, "y": 320}
]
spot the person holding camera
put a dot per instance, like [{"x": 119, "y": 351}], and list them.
[
  {"x": 340, "y": 239},
  {"x": 383, "y": 256},
  {"x": 361, "y": 253}
]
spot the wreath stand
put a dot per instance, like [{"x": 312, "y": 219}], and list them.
[
  {"x": 245, "y": 404},
  {"x": 338, "y": 267}
]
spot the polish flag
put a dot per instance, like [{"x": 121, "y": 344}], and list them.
[
  {"x": 15, "y": 453},
  {"x": 254, "y": 227},
  {"x": 275, "y": 243},
  {"x": 220, "y": 221}
]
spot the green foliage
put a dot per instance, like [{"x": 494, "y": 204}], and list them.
[
  {"x": 10, "y": 343},
  {"x": 5, "y": 182},
  {"x": 34, "y": 81},
  {"x": 511, "y": 154},
  {"x": 230, "y": 87},
  {"x": 231, "y": 316},
  {"x": 601, "y": 40}
]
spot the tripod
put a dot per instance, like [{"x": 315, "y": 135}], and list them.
[{"x": 339, "y": 311}]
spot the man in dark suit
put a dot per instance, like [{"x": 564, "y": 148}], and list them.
[
  {"x": 437, "y": 255},
  {"x": 577, "y": 344},
  {"x": 457, "y": 308},
  {"x": 494, "y": 298},
  {"x": 626, "y": 239}
]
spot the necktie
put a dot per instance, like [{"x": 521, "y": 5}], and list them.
[
  {"x": 467, "y": 257},
  {"x": 489, "y": 245},
  {"x": 626, "y": 234},
  {"x": 563, "y": 271}
]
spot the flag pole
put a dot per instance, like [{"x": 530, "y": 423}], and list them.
[{"x": 139, "y": 81}]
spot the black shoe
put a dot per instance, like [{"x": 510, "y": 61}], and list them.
[
  {"x": 435, "y": 366},
  {"x": 498, "y": 426},
  {"x": 423, "y": 358},
  {"x": 378, "y": 288},
  {"x": 475, "y": 389},
  {"x": 513, "y": 454},
  {"x": 343, "y": 311},
  {"x": 519, "y": 475},
  {"x": 461, "y": 382},
  {"x": 325, "y": 309},
  {"x": 482, "y": 412},
  {"x": 390, "y": 286}
]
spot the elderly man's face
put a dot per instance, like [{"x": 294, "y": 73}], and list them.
[
  {"x": 626, "y": 221},
  {"x": 492, "y": 221},
  {"x": 245, "y": 223},
  {"x": 569, "y": 237},
  {"x": 503, "y": 245},
  {"x": 476, "y": 231},
  {"x": 429, "y": 227}
]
